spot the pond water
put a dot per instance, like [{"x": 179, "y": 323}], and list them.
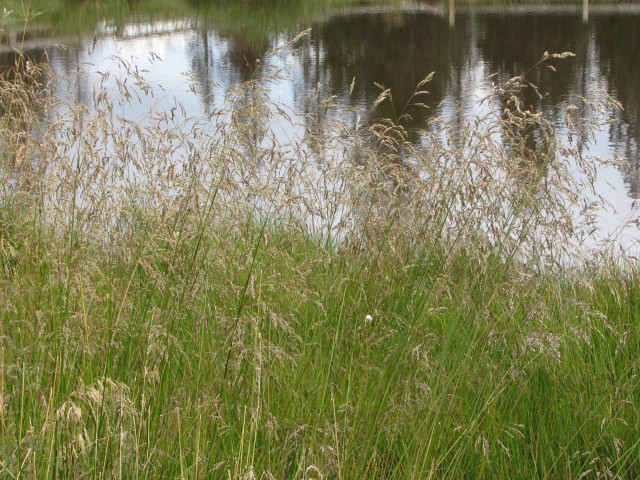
[{"x": 394, "y": 47}]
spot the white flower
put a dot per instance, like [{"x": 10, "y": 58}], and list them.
[{"x": 368, "y": 319}]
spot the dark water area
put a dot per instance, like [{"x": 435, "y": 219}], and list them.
[{"x": 396, "y": 48}]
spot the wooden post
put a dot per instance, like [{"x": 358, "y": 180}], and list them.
[
  {"x": 452, "y": 13},
  {"x": 585, "y": 11}
]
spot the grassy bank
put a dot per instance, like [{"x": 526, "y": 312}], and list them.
[
  {"x": 259, "y": 361},
  {"x": 169, "y": 310},
  {"x": 251, "y": 20}
]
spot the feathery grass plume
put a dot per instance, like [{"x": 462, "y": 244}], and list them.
[{"x": 181, "y": 294}]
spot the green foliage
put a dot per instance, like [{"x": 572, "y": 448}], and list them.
[
  {"x": 464, "y": 369},
  {"x": 188, "y": 321},
  {"x": 251, "y": 20}
]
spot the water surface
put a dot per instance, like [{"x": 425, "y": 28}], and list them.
[{"x": 390, "y": 47}]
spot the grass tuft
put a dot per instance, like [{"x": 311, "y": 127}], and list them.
[{"x": 193, "y": 297}]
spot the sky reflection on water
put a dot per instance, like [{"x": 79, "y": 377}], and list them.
[{"x": 397, "y": 49}]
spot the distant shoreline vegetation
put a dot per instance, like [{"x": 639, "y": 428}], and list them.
[{"x": 254, "y": 20}]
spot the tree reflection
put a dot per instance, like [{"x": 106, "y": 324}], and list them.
[
  {"x": 619, "y": 62},
  {"x": 398, "y": 49},
  {"x": 201, "y": 65},
  {"x": 512, "y": 44},
  {"x": 394, "y": 50}
]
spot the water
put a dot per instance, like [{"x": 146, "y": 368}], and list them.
[{"x": 395, "y": 48}]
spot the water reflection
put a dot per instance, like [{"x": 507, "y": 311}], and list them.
[
  {"x": 618, "y": 49},
  {"x": 394, "y": 50},
  {"x": 397, "y": 49}
]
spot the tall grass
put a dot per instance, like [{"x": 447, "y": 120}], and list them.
[{"x": 197, "y": 298}]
